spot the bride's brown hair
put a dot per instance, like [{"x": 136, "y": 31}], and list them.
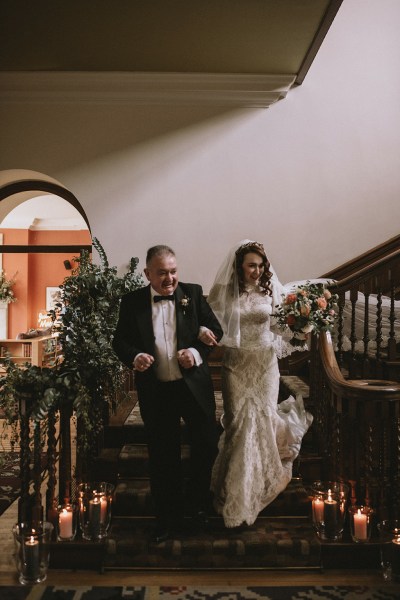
[{"x": 265, "y": 279}]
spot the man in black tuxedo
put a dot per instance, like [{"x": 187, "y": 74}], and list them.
[{"x": 157, "y": 336}]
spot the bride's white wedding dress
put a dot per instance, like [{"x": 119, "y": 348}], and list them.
[{"x": 261, "y": 438}]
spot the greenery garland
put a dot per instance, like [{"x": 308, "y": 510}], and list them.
[{"x": 90, "y": 375}]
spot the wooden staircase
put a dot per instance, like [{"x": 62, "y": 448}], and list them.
[{"x": 282, "y": 537}]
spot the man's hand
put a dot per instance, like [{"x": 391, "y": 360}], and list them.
[
  {"x": 142, "y": 362},
  {"x": 185, "y": 358}
]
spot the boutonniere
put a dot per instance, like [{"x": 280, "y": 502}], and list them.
[{"x": 184, "y": 304}]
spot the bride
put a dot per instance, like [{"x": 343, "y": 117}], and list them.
[{"x": 261, "y": 438}]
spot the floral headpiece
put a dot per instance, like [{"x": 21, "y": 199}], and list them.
[{"x": 257, "y": 245}]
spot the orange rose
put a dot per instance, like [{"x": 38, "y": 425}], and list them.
[
  {"x": 290, "y": 299},
  {"x": 305, "y": 310},
  {"x": 327, "y": 294},
  {"x": 322, "y": 303}
]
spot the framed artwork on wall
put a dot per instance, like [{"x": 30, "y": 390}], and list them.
[{"x": 53, "y": 295}]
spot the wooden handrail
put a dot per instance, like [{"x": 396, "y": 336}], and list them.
[
  {"x": 365, "y": 259},
  {"x": 357, "y": 425},
  {"x": 377, "y": 389}
]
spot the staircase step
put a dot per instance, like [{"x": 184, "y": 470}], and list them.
[
  {"x": 309, "y": 466},
  {"x": 269, "y": 543},
  {"x": 132, "y": 498},
  {"x": 292, "y": 385},
  {"x": 133, "y": 460},
  {"x": 105, "y": 466}
]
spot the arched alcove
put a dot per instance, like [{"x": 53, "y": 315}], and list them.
[{"x": 38, "y": 254}]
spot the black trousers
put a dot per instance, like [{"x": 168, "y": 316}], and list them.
[{"x": 173, "y": 402}]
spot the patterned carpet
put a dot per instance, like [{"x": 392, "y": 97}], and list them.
[
  {"x": 385, "y": 592},
  {"x": 9, "y": 480}
]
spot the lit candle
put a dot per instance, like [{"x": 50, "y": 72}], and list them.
[
  {"x": 95, "y": 516},
  {"x": 360, "y": 525},
  {"x": 395, "y": 555},
  {"x": 318, "y": 510},
  {"x": 103, "y": 511},
  {"x": 31, "y": 558},
  {"x": 330, "y": 515},
  {"x": 65, "y": 524}
]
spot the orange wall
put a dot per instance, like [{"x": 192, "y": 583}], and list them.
[{"x": 35, "y": 272}]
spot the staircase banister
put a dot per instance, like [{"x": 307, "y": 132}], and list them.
[
  {"x": 358, "y": 389},
  {"x": 366, "y": 272},
  {"x": 366, "y": 258}
]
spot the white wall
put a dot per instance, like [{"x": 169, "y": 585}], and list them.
[{"x": 315, "y": 177}]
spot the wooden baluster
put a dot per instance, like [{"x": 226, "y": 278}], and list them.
[
  {"x": 51, "y": 499},
  {"x": 23, "y": 502},
  {"x": 396, "y": 465},
  {"x": 353, "y": 337},
  {"x": 341, "y": 305},
  {"x": 379, "y": 335},
  {"x": 366, "y": 339},
  {"x": 37, "y": 510},
  {"x": 65, "y": 454},
  {"x": 392, "y": 319}
]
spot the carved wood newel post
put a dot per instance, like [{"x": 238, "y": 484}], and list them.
[{"x": 358, "y": 431}]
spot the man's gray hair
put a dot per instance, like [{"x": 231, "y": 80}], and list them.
[{"x": 160, "y": 250}]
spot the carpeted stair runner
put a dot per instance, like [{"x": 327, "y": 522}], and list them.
[
  {"x": 270, "y": 543},
  {"x": 282, "y": 537}
]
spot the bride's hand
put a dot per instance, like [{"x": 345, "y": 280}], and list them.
[{"x": 207, "y": 337}]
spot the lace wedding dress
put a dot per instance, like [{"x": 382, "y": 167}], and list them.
[{"x": 261, "y": 438}]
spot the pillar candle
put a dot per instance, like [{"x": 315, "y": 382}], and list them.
[
  {"x": 395, "y": 556},
  {"x": 103, "y": 511},
  {"x": 318, "y": 509},
  {"x": 95, "y": 516},
  {"x": 360, "y": 525},
  {"x": 31, "y": 558},
  {"x": 65, "y": 523},
  {"x": 330, "y": 516}
]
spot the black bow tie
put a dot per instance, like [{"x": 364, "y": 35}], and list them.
[{"x": 159, "y": 298}]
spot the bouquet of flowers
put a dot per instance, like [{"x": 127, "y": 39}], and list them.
[
  {"x": 309, "y": 307},
  {"x": 6, "y": 293}
]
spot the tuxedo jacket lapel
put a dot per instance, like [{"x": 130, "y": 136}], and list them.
[
  {"x": 179, "y": 316},
  {"x": 145, "y": 321}
]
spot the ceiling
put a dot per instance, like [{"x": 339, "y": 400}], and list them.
[{"x": 201, "y": 48}]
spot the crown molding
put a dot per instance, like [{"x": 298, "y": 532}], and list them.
[{"x": 200, "y": 89}]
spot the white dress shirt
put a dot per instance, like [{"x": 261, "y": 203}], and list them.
[{"x": 164, "y": 325}]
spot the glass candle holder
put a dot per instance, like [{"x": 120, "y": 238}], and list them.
[
  {"x": 329, "y": 499},
  {"x": 389, "y": 537},
  {"x": 32, "y": 551},
  {"x": 360, "y": 523},
  {"x": 95, "y": 500},
  {"x": 66, "y": 522}
]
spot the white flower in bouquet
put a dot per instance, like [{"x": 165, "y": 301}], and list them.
[{"x": 310, "y": 307}]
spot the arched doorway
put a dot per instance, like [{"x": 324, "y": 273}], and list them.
[{"x": 39, "y": 254}]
